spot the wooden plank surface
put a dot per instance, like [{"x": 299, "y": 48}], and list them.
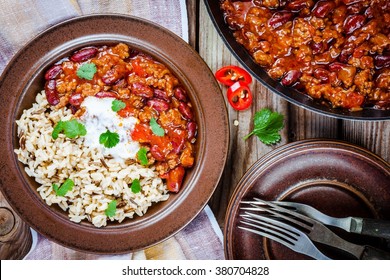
[{"x": 299, "y": 124}]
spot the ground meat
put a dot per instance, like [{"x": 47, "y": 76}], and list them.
[{"x": 337, "y": 50}]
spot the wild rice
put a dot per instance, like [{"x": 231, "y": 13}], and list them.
[{"x": 97, "y": 179}]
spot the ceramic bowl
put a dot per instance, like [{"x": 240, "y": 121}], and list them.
[{"x": 24, "y": 78}]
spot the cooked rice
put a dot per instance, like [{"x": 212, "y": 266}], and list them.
[{"x": 52, "y": 161}]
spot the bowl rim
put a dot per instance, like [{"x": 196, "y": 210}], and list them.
[{"x": 212, "y": 155}]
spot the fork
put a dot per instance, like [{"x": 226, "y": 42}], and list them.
[
  {"x": 315, "y": 230},
  {"x": 282, "y": 233},
  {"x": 365, "y": 226}
]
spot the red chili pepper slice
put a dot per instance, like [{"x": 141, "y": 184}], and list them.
[
  {"x": 239, "y": 96},
  {"x": 228, "y": 75}
]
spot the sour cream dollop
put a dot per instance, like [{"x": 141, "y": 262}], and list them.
[{"x": 98, "y": 118}]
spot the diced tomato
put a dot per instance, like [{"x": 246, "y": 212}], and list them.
[
  {"x": 228, "y": 75},
  {"x": 162, "y": 143},
  {"x": 175, "y": 179},
  {"x": 239, "y": 96},
  {"x": 142, "y": 133},
  {"x": 186, "y": 158},
  {"x": 137, "y": 69},
  {"x": 126, "y": 112},
  {"x": 353, "y": 100}
]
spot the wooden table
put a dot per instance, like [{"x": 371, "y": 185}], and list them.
[{"x": 299, "y": 123}]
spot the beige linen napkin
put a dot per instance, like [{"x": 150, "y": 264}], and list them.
[{"x": 20, "y": 21}]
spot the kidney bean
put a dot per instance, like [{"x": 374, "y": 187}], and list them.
[
  {"x": 317, "y": 47},
  {"x": 369, "y": 12},
  {"x": 113, "y": 75},
  {"x": 353, "y": 22},
  {"x": 142, "y": 90},
  {"x": 156, "y": 153},
  {"x": 348, "y": 2},
  {"x": 180, "y": 94},
  {"x": 76, "y": 99},
  {"x": 84, "y": 54},
  {"x": 382, "y": 61},
  {"x": 336, "y": 66},
  {"x": 158, "y": 104},
  {"x": 323, "y": 8},
  {"x": 345, "y": 54},
  {"x": 51, "y": 92},
  {"x": 291, "y": 77},
  {"x": 185, "y": 111},
  {"x": 53, "y": 72},
  {"x": 355, "y": 8},
  {"x": 321, "y": 74},
  {"x": 121, "y": 83},
  {"x": 297, "y": 5},
  {"x": 74, "y": 109},
  {"x": 280, "y": 18},
  {"x": 192, "y": 129},
  {"x": 330, "y": 42},
  {"x": 161, "y": 95},
  {"x": 103, "y": 94}
]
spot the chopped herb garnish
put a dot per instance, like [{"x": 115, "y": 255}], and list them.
[
  {"x": 156, "y": 128},
  {"x": 267, "y": 125},
  {"x": 141, "y": 155},
  {"x": 71, "y": 129},
  {"x": 57, "y": 129},
  {"x": 118, "y": 105},
  {"x": 111, "y": 209},
  {"x": 65, "y": 187},
  {"x": 109, "y": 139},
  {"x": 135, "y": 186},
  {"x": 86, "y": 71}
]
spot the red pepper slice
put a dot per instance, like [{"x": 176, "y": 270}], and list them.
[
  {"x": 228, "y": 75},
  {"x": 239, "y": 96}
]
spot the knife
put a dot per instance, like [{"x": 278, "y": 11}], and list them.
[
  {"x": 364, "y": 226},
  {"x": 317, "y": 231}
]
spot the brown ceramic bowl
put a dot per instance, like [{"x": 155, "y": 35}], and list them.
[
  {"x": 23, "y": 79},
  {"x": 337, "y": 178}
]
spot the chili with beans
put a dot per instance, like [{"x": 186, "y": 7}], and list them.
[
  {"x": 334, "y": 50},
  {"x": 148, "y": 89}
]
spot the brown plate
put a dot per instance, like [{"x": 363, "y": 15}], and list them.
[
  {"x": 338, "y": 178},
  {"x": 23, "y": 78}
]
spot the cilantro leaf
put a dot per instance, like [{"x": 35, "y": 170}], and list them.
[
  {"x": 57, "y": 129},
  {"x": 109, "y": 139},
  {"x": 86, "y": 71},
  {"x": 135, "y": 186},
  {"x": 141, "y": 155},
  {"x": 118, "y": 105},
  {"x": 111, "y": 209},
  {"x": 65, "y": 187},
  {"x": 267, "y": 125},
  {"x": 71, "y": 129},
  {"x": 156, "y": 128}
]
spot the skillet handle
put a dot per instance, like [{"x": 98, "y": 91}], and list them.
[{"x": 371, "y": 253}]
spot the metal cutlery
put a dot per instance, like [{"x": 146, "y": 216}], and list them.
[
  {"x": 282, "y": 233},
  {"x": 365, "y": 226},
  {"x": 315, "y": 230}
]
